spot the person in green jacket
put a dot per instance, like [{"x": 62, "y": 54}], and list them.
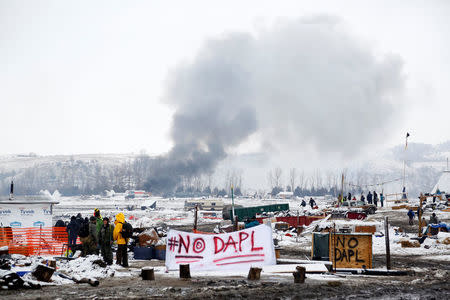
[
  {"x": 105, "y": 239},
  {"x": 99, "y": 219},
  {"x": 99, "y": 222}
]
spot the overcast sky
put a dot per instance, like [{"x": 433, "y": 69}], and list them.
[{"x": 89, "y": 76}]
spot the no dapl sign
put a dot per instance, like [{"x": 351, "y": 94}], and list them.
[
  {"x": 351, "y": 250},
  {"x": 236, "y": 250}
]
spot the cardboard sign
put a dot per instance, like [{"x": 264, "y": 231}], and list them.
[
  {"x": 25, "y": 215},
  {"x": 235, "y": 250},
  {"x": 351, "y": 250}
]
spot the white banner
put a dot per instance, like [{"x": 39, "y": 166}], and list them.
[
  {"x": 235, "y": 250},
  {"x": 25, "y": 215}
]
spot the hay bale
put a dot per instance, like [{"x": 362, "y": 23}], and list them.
[
  {"x": 408, "y": 244},
  {"x": 446, "y": 241}
]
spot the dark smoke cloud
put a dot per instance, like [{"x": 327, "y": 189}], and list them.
[{"x": 303, "y": 83}]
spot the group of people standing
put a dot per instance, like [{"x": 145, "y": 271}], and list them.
[
  {"x": 371, "y": 198},
  {"x": 97, "y": 235}
]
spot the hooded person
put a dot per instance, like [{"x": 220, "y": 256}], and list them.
[
  {"x": 72, "y": 229},
  {"x": 105, "y": 239},
  {"x": 98, "y": 218},
  {"x": 312, "y": 203},
  {"x": 93, "y": 236},
  {"x": 369, "y": 198},
  {"x": 79, "y": 219},
  {"x": 434, "y": 219},
  {"x": 411, "y": 217},
  {"x": 121, "y": 255}
]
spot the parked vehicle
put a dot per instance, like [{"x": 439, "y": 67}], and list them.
[{"x": 369, "y": 209}]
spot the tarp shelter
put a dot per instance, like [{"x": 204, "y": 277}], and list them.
[
  {"x": 26, "y": 213},
  {"x": 443, "y": 184}
]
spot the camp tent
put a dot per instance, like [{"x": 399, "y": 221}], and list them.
[{"x": 443, "y": 184}]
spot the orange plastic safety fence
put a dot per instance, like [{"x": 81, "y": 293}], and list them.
[{"x": 34, "y": 241}]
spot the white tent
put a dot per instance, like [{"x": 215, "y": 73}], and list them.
[{"x": 443, "y": 183}]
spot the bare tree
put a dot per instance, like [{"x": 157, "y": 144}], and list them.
[
  {"x": 277, "y": 176},
  {"x": 270, "y": 179},
  {"x": 292, "y": 178},
  {"x": 301, "y": 178}
]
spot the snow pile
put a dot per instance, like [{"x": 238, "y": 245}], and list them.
[{"x": 85, "y": 267}]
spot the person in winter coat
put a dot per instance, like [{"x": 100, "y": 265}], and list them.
[
  {"x": 121, "y": 255},
  {"x": 312, "y": 203},
  {"x": 98, "y": 219},
  {"x": 381, "y": 199},
  {"x": 72, "y": 229},
  {"x": 303, "y": 203},
  {"x": 362, "y": 198},
  {"x": 92, "y": 241},
  {"x": 411, "y": 217},
  {"x": 375, "y": 198},
  {"x": 434, "y": 219},
  {"x": 79, "y": 219},
  {"x": 369, "y": 198},
  {"x": 105, "y": 239}
]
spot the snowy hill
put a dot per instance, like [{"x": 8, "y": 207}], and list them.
[{"x": 94, "y": 173}]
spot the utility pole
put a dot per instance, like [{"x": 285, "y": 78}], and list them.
[
  {"x": 232, "y": 202},
  {"x": 388, "y": 249}
]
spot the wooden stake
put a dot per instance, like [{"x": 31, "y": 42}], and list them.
[
  {"x": 254, "y": 273},
  {"x": 236, "y": 224},
  {"x": 299, "y": 275},
  {"x": 148, "y": 274},
  {"x": 185, "y": 271},
  {"x": 195, "y": 217},
  {"x": 388, "y": 249},
  {"x": 419, "y": 214}
]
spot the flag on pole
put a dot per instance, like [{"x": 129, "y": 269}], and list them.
[{"x": 406, "y": 145}]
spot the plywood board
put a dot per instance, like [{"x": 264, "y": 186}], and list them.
[
  {"x": 366, "y": 228},
  {"x": 352, "y": 250}
]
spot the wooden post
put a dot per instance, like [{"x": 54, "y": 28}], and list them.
[
  {"x": 386, "y": 237},
  {"x": 195, "y": 217},
  {"x": 148, "y": 273},
  {"x": 254, "y": 273},
  {"x": 299, "y": 275},
  {"x": 236, "y": 224},
  {"x": 185, "y": 271},
  {"x": 419, "y": 215},
  {"x": 333, "y": 238}
]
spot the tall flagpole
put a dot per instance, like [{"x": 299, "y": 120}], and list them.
[{"x": 404, "y": 167}]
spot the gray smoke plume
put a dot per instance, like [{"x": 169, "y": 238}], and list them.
[{"x": 304, "y": 83}]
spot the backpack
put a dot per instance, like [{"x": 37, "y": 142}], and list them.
[
  {"x": 127, "y": 230},
  {"x": 84, "y": 230}
]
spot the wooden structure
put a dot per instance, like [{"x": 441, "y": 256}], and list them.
[
  {"x": 423, "y": 198},
  {"x": 185, "y": 272},
  {"x": 351, "y": 250},
  {"x": 366, "y": 228},
  {"x": 299, "y": 274},
  {"x": 254, "y": 273},
  {"x": 148, "y": 273}
]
